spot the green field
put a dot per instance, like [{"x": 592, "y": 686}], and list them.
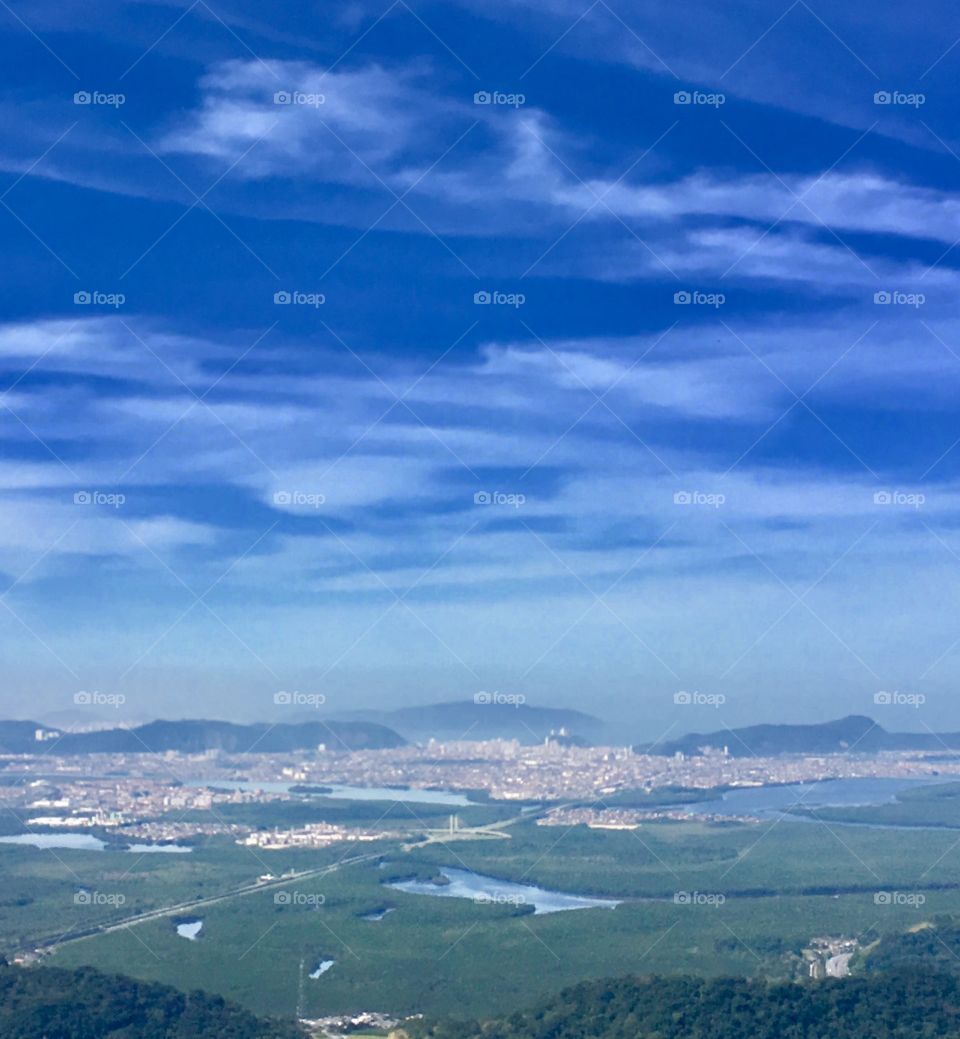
[{"x": 783, "y": 883}]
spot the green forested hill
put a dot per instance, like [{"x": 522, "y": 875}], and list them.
[
  {"x": 934, "y": 945},
  {"x": 905, "y": 1005},
  {"x": 49, "y": 1003},
  {"x": 855, "y": 732}
]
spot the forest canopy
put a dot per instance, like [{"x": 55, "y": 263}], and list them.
[
  {"x": 51, "y": 1003},
  {"x": 904, "y": 1005}
]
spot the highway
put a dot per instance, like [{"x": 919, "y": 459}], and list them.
[{"x": 199, "y": 903}]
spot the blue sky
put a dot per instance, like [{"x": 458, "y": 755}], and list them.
[{"x": 400, "y": 351}]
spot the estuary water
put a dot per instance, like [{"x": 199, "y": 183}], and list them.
[
  {"x": 467, "y": 884},
  {"x": 773, "y": 801},
  {"x": 87, "y": 842}
]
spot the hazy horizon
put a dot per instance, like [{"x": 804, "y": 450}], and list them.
[{"x": 621, "y": 730}]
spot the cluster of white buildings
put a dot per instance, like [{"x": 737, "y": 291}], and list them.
[{"x": 312, "y": 835}]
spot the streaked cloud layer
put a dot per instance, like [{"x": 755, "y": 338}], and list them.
[{"x": 406, "y": 353}]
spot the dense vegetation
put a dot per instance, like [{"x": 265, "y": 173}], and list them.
[
  {"x": 932, "y": 945},
  {"x": 454, "y": 956},
  {"x": 897, "y": 1006},
  {"x": 43, "y": 1003}
]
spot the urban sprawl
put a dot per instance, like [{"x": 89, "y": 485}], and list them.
[{"x": 172, "y": 796}]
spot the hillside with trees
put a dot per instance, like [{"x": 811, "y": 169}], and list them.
[
  {"x": 903, "y": 1005},
  {"x": 50, "y": 1003}
]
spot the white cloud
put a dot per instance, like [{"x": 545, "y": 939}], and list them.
[
  {"x": 864, "y": 201},
  {"x": 405, "y": 482},
  {"x": 307, "y": 122}
]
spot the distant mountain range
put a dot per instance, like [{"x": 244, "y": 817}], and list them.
[
  {"x": 856, "y": 733},
  {"x": 458, "y": 720},
  {"x": 195, "y": 736},
  {"x": 485, "y": 718},
  {"x": 482, "y": 719}
]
